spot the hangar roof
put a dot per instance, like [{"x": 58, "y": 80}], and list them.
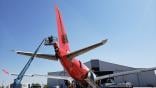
[{"x": 107, "y": 66}]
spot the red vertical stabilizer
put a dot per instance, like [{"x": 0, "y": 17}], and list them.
[{"x": 62, "y": 36}]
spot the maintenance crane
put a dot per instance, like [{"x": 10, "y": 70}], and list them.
[{"x": 17, "y": 81}]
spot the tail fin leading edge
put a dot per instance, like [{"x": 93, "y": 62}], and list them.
[{"x": 62, "y": 36}]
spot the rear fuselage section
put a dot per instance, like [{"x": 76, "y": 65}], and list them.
[{"x": 75, "y": 68}]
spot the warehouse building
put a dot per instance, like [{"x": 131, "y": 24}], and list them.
[{"x": 144, "y": 79}]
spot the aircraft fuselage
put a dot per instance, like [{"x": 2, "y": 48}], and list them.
[{"x": 75, "y": 68}]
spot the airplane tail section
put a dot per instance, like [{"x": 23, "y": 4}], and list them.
[
  {"x": 76, "y": 53},
  {"x": 62, "y": 36}
]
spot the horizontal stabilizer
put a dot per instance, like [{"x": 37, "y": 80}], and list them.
[
  {"x": 45, "y": 56},
  {"x": 125, "y": 73},
  {"x": 71, "y": 55}
]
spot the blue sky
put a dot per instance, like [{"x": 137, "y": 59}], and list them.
[{"x": 129, "y": 26}]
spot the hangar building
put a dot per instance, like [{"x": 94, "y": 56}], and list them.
[{"x": 143, "y": 79}]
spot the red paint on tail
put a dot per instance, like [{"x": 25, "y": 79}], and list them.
[
  {"x": 63, "y": 40},
  {"x": 74, "y": 67}
]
